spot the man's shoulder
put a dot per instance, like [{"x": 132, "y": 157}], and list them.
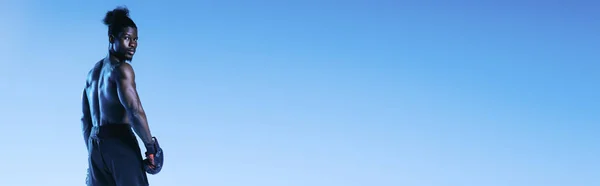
[
  {"x": 123, "y": 70},
  {"x": 98, "y": 64},
  {"x": 94, "y": 72}
]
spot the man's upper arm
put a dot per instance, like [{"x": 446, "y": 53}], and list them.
[{"x": 126, "y": 88}]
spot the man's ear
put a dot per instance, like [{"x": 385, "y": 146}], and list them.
[{"x": 111, "y": 38}]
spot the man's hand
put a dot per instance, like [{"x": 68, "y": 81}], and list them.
[
  {"x": 154, "y": 158},
  {"x": 150, "y": 159}
]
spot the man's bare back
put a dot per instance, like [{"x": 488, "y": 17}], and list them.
[{"x": 90, "y": 101}]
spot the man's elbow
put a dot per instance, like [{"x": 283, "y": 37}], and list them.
[{"x": 136, "y": 113}]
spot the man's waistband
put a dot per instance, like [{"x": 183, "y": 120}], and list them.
[{"x": 112, "y": 130}]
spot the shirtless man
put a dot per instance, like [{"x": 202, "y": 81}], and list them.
[{"x": 111, "y": 108}]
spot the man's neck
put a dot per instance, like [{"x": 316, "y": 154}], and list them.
[{"x": 114, "y": 59}]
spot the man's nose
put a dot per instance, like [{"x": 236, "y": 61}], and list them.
[{"x": 133, "y": 44}]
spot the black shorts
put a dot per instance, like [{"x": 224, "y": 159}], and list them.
[{"x": 114, "y": 157}]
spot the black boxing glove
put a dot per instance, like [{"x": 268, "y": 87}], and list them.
[{"x": 158, "y": 158}]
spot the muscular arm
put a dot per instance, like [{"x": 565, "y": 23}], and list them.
[
  {"x": 86, "y": 118},
  {"x": 126, "y": 88}
]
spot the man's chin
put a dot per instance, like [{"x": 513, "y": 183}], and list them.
[{"x": 128, "y": 58}]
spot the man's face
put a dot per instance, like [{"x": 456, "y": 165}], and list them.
[{"x": 125, "y": 43}]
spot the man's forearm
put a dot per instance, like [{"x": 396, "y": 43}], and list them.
[{"x": 140, "y": 126}]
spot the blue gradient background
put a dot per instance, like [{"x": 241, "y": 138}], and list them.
[{"x": 318, "y": 93}]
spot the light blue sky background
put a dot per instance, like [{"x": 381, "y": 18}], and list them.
[{"x": 318, "y": 93}]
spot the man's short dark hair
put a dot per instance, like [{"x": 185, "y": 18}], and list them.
[{"x": 117, "y": 19}]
